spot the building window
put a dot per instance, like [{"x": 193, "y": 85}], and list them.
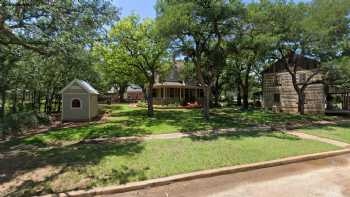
[
  {"x": 277, "y": 98},
  {"x": 76, "y": 103},
  {"x": 302, "y": 78},
  {"x": 276, "y": 81}
]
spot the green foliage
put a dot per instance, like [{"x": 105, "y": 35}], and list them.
[
  {"x": 15, "y": 123},
  {"x": 199, "y": 30},
  {"x": 136, "y": 48},
  {"x": 45, "y": 45}
]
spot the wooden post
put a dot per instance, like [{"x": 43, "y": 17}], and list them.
[{"x": 180, "y": 93}]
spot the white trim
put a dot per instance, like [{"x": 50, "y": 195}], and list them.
[
  {"x": 80, "y": 85},
  {"x": 77, "y": 93},
  {"x": 76, "y": 108},
  {"x": 89, "y": 107},
  {"x": 67, "y": 86}
]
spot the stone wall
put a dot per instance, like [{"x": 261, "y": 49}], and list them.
[{"x": 281, "y": 85}]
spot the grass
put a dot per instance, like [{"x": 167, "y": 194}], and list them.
[
  {"x": 83, "y": 166},
  {"x": 340, "y": 132},
  {"x": 128, "y": 121}
]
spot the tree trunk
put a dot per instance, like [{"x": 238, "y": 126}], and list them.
[
  {"x": 3, "y": 104},
  {"x": 239, "y": 96},
  {"x": 150, "y": 100},
  {"x": 301, "y": 103},
  {"x": 14, "y": 102},
  {"x": 59, "y": 103},
  {"x": 245, "y": 88},
  {"x": 38, "y": 102},
  {"x": 216, "y": 96},
  {"x": 121, "y": 93},
  {"x": 23, "y": 99},
  {"x": 239, "y": 90},
  {"x": 46, "y": 105},
  {"x": 245, "y": 97},
  {"x": 206, "y": 102}
]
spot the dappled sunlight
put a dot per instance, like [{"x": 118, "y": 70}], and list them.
[
  {"x": 87, "y": 156},
  {"x": 129, "y": 121},
  {"x": 78, "y": 157}
]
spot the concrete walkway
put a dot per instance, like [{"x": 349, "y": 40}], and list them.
[
  {"x": 203, "y": 133},
  {"x": 320, "y": 139},
  {"x": 215, "y": 132}
]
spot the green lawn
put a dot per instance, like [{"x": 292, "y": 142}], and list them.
[
  {"x": 339, "y": 132},
  {"x": 128, "y": 121},
  {"x": 89, "y": 165}
]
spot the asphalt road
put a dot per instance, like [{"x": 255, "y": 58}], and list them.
[{"x": 322, "y": 178}]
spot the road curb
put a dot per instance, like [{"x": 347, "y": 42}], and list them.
[{"x": 195, "y": 175}]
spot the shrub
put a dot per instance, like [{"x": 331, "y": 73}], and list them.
[{"x": 15, "y": 123}]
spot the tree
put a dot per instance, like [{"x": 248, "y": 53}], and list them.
[
  {"x": 199, "y": 30},
  {"x": 138, "y": 45},
  {"x": 41, "y": 44},
  {"x": 39, "y": 25},
  {"x": 113, "y": 71},
  {"x": 312, "y": 30}
]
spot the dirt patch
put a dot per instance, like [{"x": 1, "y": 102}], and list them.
[{"x": 25, "y": 179}]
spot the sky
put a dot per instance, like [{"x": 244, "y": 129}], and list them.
[{"x": 144, "y": 8}]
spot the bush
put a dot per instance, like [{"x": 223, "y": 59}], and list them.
[
  {"x": 15, "y": 123},
  {"x": 141, "y": 104}
]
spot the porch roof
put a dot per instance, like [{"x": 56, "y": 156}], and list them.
[{"x": 175, "y": 85}]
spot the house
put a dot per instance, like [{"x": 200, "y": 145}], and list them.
[
  {"x": 134, "y": 93},
  {"x": 79, "y": 101},
  {"x": 279, "y": 93},
  {"x": 174, "y": 90}
]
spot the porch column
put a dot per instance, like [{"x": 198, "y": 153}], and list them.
[{"x": 180, "y": 93}]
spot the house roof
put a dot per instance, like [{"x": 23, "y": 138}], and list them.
[
  {"x": 175, "y": 85},
  {"x": 83, "y": 84},
  {"x": 169, "y": 83},
  {"x": 134, "y": 88},
  {"x": 302, "y": 63}
]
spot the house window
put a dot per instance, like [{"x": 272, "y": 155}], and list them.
[
  {"x": 302, "y": 78},
  {"x": 76, "y": 103},
  {"x": 277, "y": 98},
  {"x": 276, "y": 81}
]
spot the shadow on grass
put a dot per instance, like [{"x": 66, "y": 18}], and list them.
[
  {"x": 76, "y": 156},
  {"x": 184, "y": 120},
  {"x": 333, "y": 127},
  {"x": 127, "y": 121}
]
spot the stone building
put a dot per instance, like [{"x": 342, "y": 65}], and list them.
[{"x": 279, "y": 93}]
